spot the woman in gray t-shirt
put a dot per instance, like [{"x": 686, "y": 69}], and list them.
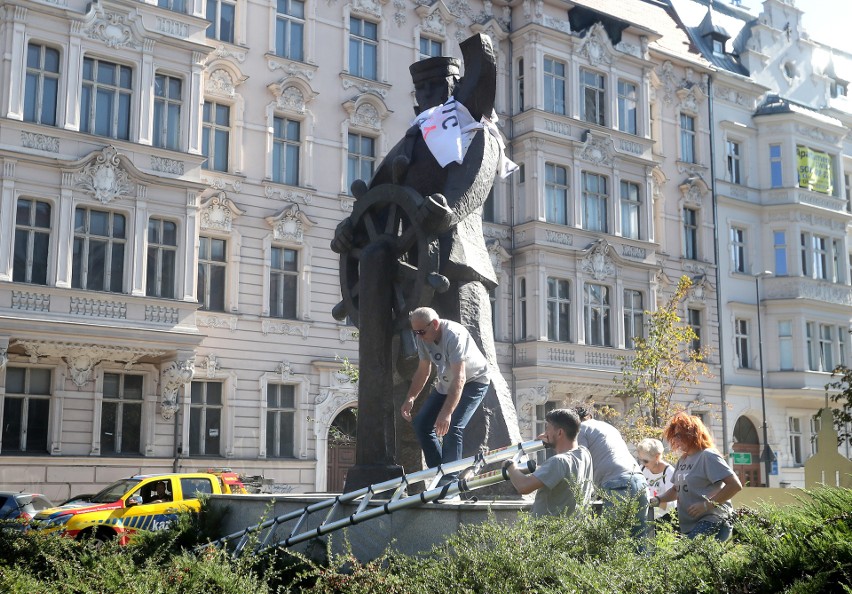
[{"x": 703, "y": 481}]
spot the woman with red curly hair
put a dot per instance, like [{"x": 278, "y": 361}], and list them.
[{"x": 703, "y": 481}]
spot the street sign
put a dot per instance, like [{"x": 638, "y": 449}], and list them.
[
  {"x": 774, "y": 470},
  {"x": 740, "y": 457}
]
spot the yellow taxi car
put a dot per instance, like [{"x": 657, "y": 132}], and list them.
[{"x": 141, "y": 502}]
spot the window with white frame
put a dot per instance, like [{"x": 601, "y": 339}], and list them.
[
  {"x": 826, "y": 344},
  {"x": 174, "y": 5},
  {"x": 32, "y": 241},
  {"x": 629, "y": 209},
  {"x": 690, "y": 233},
  {"x": 41, "y": 90},
  {"x": 520, "y": 84},
  {"x": 555, "y": 194},
  {"x": 363, "y": 48},
  {"x": 212, "y": 272},
  {"x": 847, "y": 190},
  {"x": 97, "y": 262},
  {"x": 741, "y": 340},
  {"x": 522, "y": 306},
  {"x": 216, "y": 136},
  {"x": 627, "y": 107},
  {"x": 776, "y": 166},
  {"x": 283, "y": 283},
  {"x": 593, "y": 97},
  {"x": 105, "y": 101},
  {"x": 810, "y": 345},
  {"x": 733, "y": 161},
  {"x": 161, "y": 275},
  {"x": 121, "y": 414},
  {"x": 554, "y": 86},
  {"x": 26, "y": 409},
  {"x": 168, "y": 99},
  {"x": 488, "y": 207},
  {"x": 286, "y": 143},
  {"x": 634, "y": 317},
  {"x": 687, "y": 138},
  {"x": 290, "y": 29},
  {"x": 430, "y": 48},
  {"x": 492, "y": 300},
  {"x": 541, "y": 411},
  {"x": 841, "y": 345},
  {"x": 693, "y": 319},
  {"x": 280, "y": 420},
  {"x": 222, "y": 16},
  {"x": 595, "y": 199},
  {"x": 837, "y": 255},
  {"x": 816, "y": 424},
  {"x": 361, "y": 158},
  {"x": 779, "y": 248},
  {"x": 815, "y": 262},
  {"x": 785, "y": 345},
  {"x": 596, "y": 305},
  {"x": 738, "y": 250},
  {"x": 205, "y": 418},
  {"x": 794, "y": 424},
  {"x": 558, "y": 310}
]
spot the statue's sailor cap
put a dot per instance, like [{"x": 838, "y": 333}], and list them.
[{"x": 439, "y": 67}]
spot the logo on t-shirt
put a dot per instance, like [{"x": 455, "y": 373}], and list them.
[{"x": 437, "y": 356}]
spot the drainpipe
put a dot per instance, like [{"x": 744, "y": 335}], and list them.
[{"x": 723, "y": 394}]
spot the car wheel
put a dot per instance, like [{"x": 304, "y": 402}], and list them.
[{"x": 97, "y": 539}]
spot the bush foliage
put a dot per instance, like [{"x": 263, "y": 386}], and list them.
[{"x": 799, "y": 549}]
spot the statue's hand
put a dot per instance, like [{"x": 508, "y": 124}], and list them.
[
  {"x": 342, "y": 241},
  {"x": 434, "y": 214}
]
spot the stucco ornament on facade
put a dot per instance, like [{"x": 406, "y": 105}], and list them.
[
  {"x": 290, "y": 224},
  {"x": 597, "y": 261},
  {"x": 110, "y": 28},
  {"x": 4, "y": 358},
  {"x": 175, "y": 376},
  {"x": 693, "y": 190},
  {"x": 329, "y": 401},
  {"x": 104, "y": 178},
  {"x": 284, "y": 370},
  {"x": 596, "y": 46},
  {"x": 220, "y": 82},
  {"x": 691, "y": 97},
  {"x": 368, "y": 7},
  {"x": 222, "y": 52},
  {"x": 211, "y": 365},
  {"x": 498, "y": 254},
  {"x": 528, "y": 399},
  {"x": 82, "y": 358},
  {"x": 218, "y": 213},
  {"x": 434, "y": 19},
  {"x": 41, "y": 142},
  {"x": 288, "y": 195},
  {"x": 597, "y": 149}
]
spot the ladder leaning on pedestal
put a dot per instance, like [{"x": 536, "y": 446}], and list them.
[{"x": 469, "y": 469}]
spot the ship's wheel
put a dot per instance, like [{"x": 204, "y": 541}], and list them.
[{"x": 389, "y": 213}]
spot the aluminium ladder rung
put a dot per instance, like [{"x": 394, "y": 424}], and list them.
[{"x": 470, "y": 480}]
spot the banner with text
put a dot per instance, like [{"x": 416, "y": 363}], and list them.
[{"x": 814, "y": 170}]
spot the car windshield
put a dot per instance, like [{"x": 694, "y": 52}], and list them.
[{"x": 115, "y": 491}]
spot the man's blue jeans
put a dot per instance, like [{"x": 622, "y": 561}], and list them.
[
  {"x": 720, "y": 530},
  {"x": 434, "y": 451},
  {"x": 630, "y": 485}
]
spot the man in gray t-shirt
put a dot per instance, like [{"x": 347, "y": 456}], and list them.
[
  {"x": 616, "y": 472},
  {"x": 564, "y": 482},
  {"x": 462, "y": 380}
]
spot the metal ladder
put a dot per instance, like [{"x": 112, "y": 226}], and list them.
[{"x": 469, "y": 469}]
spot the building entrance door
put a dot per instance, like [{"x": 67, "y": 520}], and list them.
[
  {"x": 341, "y": 449},
  {"x": 746, "y": 441}
]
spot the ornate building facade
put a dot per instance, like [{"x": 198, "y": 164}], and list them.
[{"x": 173, "y": 173}]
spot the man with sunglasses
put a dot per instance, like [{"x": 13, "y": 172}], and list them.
[{"x": 461, "y": 382}]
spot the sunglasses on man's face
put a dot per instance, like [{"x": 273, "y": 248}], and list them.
[{"x": 421, "y": 332}]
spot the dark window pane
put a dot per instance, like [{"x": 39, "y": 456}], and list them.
[
  {"x": 194, "y": 431},
  {"x": 112, "y": 382},
  {"x": 109, "y": 410},
  {"x": 213, "y": 433},
  {"x": 42, "y": 215},
  {"x": 40, "y": 381},
  {"x": 37, "y": 417},
  {"x": 133, "y": 387},
  {"x": 214, "y": 393},
  {"x": 12, "y": 411},
  {"x": 131, "y": 429}
]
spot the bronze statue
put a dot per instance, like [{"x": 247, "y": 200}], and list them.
[{"x": 415, "y": 238}]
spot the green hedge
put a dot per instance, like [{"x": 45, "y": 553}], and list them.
[{"x": 797, "y": 549}]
